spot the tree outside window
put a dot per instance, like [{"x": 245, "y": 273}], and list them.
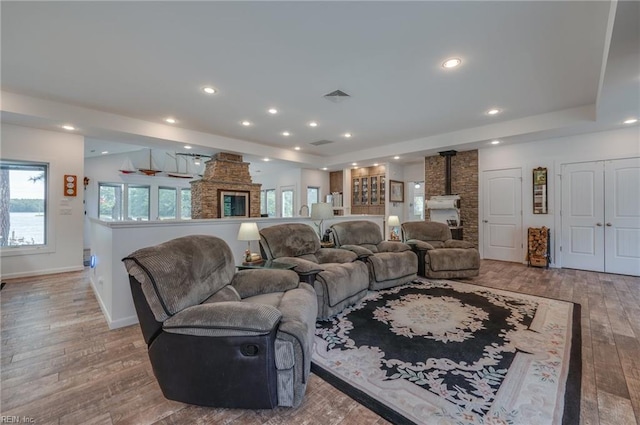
[
  {"x": 138, "y": 202},
  {"x": 110, "y": 198},
  {"x": 23, "y": 203},
  {"x": 271, "y": 202},
  {"x": 185, "y": 203},
  {"x": 167, "y": 203},
  {"x": 313, "y": 195},
  {"x": 287, "y": 203}
]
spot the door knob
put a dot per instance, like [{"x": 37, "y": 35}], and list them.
[
  {"x": 485, "y": 221},
  {"x": 599, "y": 224},
  {"x": 608, "y": 224}
]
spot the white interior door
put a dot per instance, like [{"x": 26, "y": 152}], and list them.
[
  {"x": 622, "y": 216},
  {"x": 583, "y": 216},
  {"x": 502, "y": 217}
]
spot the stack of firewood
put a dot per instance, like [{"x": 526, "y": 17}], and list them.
[{"x": 538, "y": 242}]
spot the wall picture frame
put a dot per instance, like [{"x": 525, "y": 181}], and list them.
[
  {"x": 540, "y": 197},
  {"x": 396, "y": 191}
]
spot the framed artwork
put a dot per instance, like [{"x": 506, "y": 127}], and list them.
[
  {"x": 396, "y": 191},
  {"x": 540, "y": 191}
]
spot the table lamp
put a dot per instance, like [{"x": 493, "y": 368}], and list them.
[
  {"x": 249, "y": 232},
  {"x": 320, "y": 212},
  {"x": 393, "y": 223}
]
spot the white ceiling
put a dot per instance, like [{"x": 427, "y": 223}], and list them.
[{"x": 554, "y": 68}]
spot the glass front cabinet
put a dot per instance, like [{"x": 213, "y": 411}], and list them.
[
  {"x": 368, "y": 191},
  {"x": 355, "y": 191}
]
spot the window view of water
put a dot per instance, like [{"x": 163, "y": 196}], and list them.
[{"x": 27, "y": 228}]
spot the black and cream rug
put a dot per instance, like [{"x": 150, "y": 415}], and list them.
[{"x": 443, "y": 352}]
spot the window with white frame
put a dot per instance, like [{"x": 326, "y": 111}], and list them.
[
  {"x": 287, "y": 202},
  {"x": 167, "y": 203},
  {"x": 271, "y": 202},
  {"x": 110, "y": 201},
  {"x": 23, "y": 203},
  {"x": 138, "y": 202},
  {"x": 185, "y": 203},
  {"x": 313, "y": 195}
]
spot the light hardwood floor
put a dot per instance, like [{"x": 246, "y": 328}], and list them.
[{"x": 61, "y": 364}]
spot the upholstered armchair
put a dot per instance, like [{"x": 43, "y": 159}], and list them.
[
  {"x": 217, "y": 337},
  {"x": 440, "y": 256},
  {"x": 337, "y": 277},
  {"x": 390, "y": 263}
]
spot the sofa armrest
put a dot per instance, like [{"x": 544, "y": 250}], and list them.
[
  {"x": 336, "y": 255},
  {"x": 361, "y": 252},
  {"x": 302, "y": 266},
  {"x": 388, "y": 246},
  {"x": 263, "y": 281},
  {"x": 228, "y": 318},
  {"x": 454, "y": 243},
  {"x": 416, "y": 244}
]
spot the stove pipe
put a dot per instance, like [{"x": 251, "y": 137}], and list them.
[{"x": 447, "y": 170}]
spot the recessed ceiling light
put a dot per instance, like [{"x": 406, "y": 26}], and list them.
[
  {"x": 396, "y": 157},
  {"x": 354, "y": 163},
  {"x": 286, "y": 133},
  {"x": 324, "y": 168},
  {"x": 272, "y": 110},
  {"x": 246, "y": 123},
  {"x": 313, "y": 124},
  {"x": 265, "y": 159},
  {"x": 375, "y": 164},
  {"x": 451, "y": 63},
  {"x": 630, "y": 121},
  {"x": 104, "y": 152},
  {"x": 209, "y": 90},
  {"x": 495, "y": 142},
  {"x": 493, "y": 111},
  {"x": 187, "y": 147},
  {"x": 68, "y": 127},
  {"x": 170, "y": 120},
  {"x": 417, "y": 186},
  {"x": 347, "y": 135},
  {"x": 297, "y": 148}
]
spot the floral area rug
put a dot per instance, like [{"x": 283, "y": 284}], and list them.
[{"x": 443, "y": 352}]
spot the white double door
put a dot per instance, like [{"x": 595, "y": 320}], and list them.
[{"x": 600, "y": 216}]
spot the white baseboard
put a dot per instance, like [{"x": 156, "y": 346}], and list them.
[
  {"x": 42, "y": 272},
  {"x": 113, "y": 324}
]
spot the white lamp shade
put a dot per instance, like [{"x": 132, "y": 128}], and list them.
[
  {"x": 394, "y": 221},
  {"x": 248, "y": 232},
  {"x": 321, "y": 211}
]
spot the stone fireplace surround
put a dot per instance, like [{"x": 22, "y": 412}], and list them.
[{"x": 223, "y": 172}]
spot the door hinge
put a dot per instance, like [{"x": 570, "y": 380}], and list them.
[
  {"x": 560, "y": 249},
  {"x": 560, "y": 213}
]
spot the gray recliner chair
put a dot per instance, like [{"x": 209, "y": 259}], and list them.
[
  {"x": 220, "y": 338},
  {"x": 440, "y": 256},
  {"x": 391, "y": 263},
  {"x": 339, "y": 279}
]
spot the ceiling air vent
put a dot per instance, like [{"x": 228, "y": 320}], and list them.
[
  {"x": 336, "y": 96},
  {"x": 321, "y": 142}
]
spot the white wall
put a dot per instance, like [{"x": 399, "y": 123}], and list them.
[
  {"x": 279, "y": 179},
  {"x": 414, "y": 172},
  {"x": 313, "y": 178},
  {"x": 64, "y": 153},
  {"x": 552, "y": 153}
]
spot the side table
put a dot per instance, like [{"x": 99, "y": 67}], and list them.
[{"x": 267, "y": 264}]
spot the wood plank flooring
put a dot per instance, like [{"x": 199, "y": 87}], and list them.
[{"x": 60, "y": 364}]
